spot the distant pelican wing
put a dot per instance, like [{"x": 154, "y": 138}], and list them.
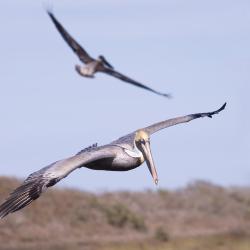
[
  {"x": 124, "y": 78},
  {"x": 39, "y": 181},
  {"x": 76, "y": 47}
]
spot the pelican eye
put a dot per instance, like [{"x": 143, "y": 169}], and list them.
[{"x": 144, "y": 141}]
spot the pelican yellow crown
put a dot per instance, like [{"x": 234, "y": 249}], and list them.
[{"x": 141, "y": 135}]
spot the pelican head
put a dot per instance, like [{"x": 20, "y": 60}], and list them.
[{"x": 142, "y": 142}]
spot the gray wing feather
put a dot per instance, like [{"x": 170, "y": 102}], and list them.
[
  {"x": 171, "y": 122},
  {"x": 75, "y": 46},
  {"x": 39, "y": 181}
]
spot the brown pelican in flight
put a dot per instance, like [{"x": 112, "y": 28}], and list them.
[
  {"x": 126, "y": 153},
  {"x": 95, "y": 65}
]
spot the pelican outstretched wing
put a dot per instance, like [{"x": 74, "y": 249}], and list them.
[
  {"x": 124, "y": 78},
  {"x": 76, "y": 47},
  {"x": 39, "y": 181},
  {"x": 171, "y": 122}
]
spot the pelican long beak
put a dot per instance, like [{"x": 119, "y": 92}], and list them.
[{"x": 149, "y": 160}]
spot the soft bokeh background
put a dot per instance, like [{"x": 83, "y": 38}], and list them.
[{"x": 197, "y": 50}]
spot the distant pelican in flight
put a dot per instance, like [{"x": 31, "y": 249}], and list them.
[
  {"x": 95, "y": 65},
  {"x": 126, "y": 153}
]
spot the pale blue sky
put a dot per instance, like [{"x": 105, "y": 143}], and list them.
[{"x": 197, "y": 50}]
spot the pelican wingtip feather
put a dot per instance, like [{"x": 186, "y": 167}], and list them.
[
  {"x": 222, "y": 107},
  {"x": 209, "y": 114}
]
